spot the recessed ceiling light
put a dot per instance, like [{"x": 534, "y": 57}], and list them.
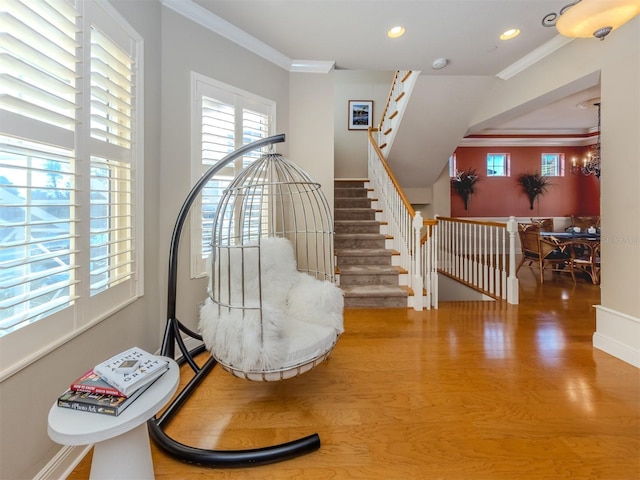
[
  {"x": 509, "y": 34},
  {"x": 396, "y": 32}
]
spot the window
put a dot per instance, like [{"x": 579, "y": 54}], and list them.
[
  {"x": 452, "y": 165},
  {"x": 225, "y": 118},
  {"x": 70, "y": 224},
  {"x": 552, "y": 164},
  {"x": 497, "y": 164}
]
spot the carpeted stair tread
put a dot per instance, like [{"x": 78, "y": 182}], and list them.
[
  {"x": 367, "y": 277},
  {"x": 360, "y": 235},
  {"x": 374, "y": 291},
  {"x": 364, "y": 252},
  {"x": 370, "y": 269}
]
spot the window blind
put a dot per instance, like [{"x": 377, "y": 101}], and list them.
[
  {"x": 70, "y": 149},
  {"x": 37, "y": 178},
  {"x": 37, "y": 263},
  {"x": 39, "y": 83},
  {"x": 112, "y": 242},
  {"x": 226, "y": 126}
]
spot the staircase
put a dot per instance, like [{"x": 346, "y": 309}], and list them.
[{"x": 365, "y": 266}]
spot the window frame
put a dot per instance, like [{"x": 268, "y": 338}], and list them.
[
  {"x": 23, "y": 346},
  {"x": 203, "y": 86},
  {"x": 507, "y": 164},
  {"x": 559, "y": 165}
]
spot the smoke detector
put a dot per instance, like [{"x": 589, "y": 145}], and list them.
[{"x": 439, "y": 63}]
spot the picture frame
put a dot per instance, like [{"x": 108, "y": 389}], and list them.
[{"x": 360, "y": 114}]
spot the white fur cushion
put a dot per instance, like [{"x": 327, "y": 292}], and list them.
[
  {"x": 301, "y": 316},
  {"x": 313, "y": 301}
]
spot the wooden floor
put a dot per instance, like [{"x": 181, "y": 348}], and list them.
[{"x": 473, "y": 390}]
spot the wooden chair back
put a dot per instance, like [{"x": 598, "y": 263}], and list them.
[
  {"x": 546, "y": 224},
  {"x": 585, "y": 222},
  {"x": 529, "y": 239},
  {"x": 540, "y": 252}
]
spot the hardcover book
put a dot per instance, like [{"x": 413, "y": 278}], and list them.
[
  {"x": 92, "y": 382},
  {"x": 147, "y": 368},
  {"x": 112, "y": 405}
]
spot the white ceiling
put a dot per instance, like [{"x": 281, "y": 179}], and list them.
[{"x": 352, "y": 33}]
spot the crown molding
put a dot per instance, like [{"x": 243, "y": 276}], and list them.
[
  {"x": 535, "y": 56},
  {"x": 311, "y": 66},
  {"x": 523, "y": 141},
  {"x": 214, "y": 23},
  {"x": 204, "y": 17}
]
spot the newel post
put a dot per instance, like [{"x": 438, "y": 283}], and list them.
[
  {"x": 417, "y": 283},
  {"x": 512, "y": 280}
]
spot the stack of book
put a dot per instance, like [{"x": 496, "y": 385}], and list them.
[{"x": 111, "y": 386}]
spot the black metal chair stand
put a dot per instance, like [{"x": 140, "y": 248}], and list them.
[{"x": 173, "y": 336}]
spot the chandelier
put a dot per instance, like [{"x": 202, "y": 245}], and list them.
[
  {"x": 587, "y": 18},
  {"x": 591, "y": 163}
]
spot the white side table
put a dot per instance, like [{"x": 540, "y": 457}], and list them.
[{"x": 122, "y": 447}]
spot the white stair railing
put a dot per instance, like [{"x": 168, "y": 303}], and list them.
[
  {"x": 479, "y": 254},
  {"x": 396, "y": 212},
  {"x": 401, "y": 88},
  {"x": 403, "y": 225}
]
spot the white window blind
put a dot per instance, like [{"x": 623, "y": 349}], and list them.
[
  {"x": 226, "y": 119},
  {"x": 38, "y": 61},
  {"x": 498, "y": 165},
  {"x": 112, "y": 242},
  {"x": 37, "y": 257},
  {"x": 38, "y": 210},
  {"x": 552, "y": 164},
  {"x": 70, "y": 225}
]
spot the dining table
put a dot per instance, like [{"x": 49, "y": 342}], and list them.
[{"x": 584, "y": 248}]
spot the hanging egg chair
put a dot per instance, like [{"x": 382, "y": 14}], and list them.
[{"x": 272, "y": 310}]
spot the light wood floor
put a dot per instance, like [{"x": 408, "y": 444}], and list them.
[{"x": 473, "y": 390}]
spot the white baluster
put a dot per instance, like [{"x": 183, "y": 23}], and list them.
[
  {"x": 513, "y": 284},
  {"x": 417, "y": 254}
]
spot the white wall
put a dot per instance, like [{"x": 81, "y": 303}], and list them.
[
  {"x": 351, "y": 146},
  {"x": 311, "y": 136},
  {"x": 617, "y": 61},
  {"x": 27, "y": 396},
  {"x": 186, "y": 47}
]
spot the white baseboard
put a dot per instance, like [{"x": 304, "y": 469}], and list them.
[
  {"x": 65, "y": 461},
  {"x": 617, "y": 334}
]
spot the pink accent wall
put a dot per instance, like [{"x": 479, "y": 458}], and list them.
[{"x": 502, "y": 196}]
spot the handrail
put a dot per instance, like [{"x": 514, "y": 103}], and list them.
[
  {"x": 479, "y": 254},
  {"x": 386, "y": 107},
  {"x": 397, "y": 186},
  {"x": 474, "y": 222},
  {"x": 401, "y": 88},
  {"x": 402, "y": 223}
]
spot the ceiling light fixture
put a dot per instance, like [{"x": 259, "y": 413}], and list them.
[
  {"x": 509, "y": 34},
  {"x": 396, "y": 32},
  {"x": 439, "y": 63},
  {"x": 591, "y": 163},
  {"x": 587, "y": 18}
]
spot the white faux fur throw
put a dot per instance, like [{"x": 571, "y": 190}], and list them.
[{"x": 231, "y": 327}]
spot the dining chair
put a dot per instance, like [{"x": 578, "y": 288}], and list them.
[
  {"x": 546, "y": 224},
  {"x": 543, "y": 253},
  {"x": 585, "y": 257},
  {"x": 585, "y": 222}
]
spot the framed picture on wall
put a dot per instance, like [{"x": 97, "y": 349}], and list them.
[{"x": 360, "y": 114}]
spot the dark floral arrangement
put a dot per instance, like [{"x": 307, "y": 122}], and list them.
[
  {"x": 463, "y": 183},
  {"x": 534, "y": 185}
]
